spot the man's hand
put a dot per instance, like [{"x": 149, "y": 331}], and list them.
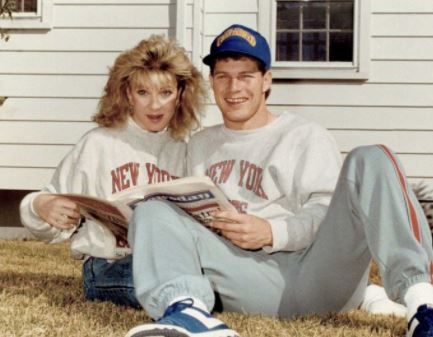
[
  {"x": 57, "y": 211},
  {"x": 244, "y": 230}
]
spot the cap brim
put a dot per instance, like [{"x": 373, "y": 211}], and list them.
[{"x": 209, "y": 58}]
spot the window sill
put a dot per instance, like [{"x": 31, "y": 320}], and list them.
[
  {"x": 321, "y": 73},
  {"x": 37, "y": 23}
]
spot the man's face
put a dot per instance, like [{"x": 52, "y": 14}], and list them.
[{"x": 239, "y": 88}]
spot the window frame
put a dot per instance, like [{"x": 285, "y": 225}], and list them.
[
  {"x": 42, "y": 19},
  {"x": 356, "y": 70}
]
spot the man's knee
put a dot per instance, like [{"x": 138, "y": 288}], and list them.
[
  {"x": 363, "y": 153},
  {"x": 148, "y": 214},
  {"x": 152, "y": 210},
  {"x": 372, "y": 157}
]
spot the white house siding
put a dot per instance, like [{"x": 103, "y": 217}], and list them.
[
  {"x": 53, "y": 78},
  {"x": 394, "y": 106}
]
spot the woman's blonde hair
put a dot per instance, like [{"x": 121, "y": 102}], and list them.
[{"x": 161, "y": 56}]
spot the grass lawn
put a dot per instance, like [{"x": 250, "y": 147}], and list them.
[{"x": 40, "y": 295}]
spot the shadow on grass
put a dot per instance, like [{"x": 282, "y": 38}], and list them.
[
  {"x": 358, "y": 320},
  {"x": 58, "y": 290}
]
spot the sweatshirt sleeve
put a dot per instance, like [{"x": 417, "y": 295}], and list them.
[
  {"x": 311, "y": 190},
  {"x": 38, "y": 227},
  {"x": 68, "y": 178}
]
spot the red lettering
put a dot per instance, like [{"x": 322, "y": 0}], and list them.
[
  {"x": 244, "y": 167},
  {"x": 122, "y": 172},
  {"x": 220, "y": 172},
  {"x": 165, "y": 176},
  {"x": 156, "y": 175},
  {"x": 115, "y": 181},
  {"x": 134, "y": 169},
  {"x": 123, "y": 176},
  {"x": 226, "y": 170},
  {"x": 251, "y": 175},
  {"x": 251, "y": 178},
  {"x": 150, "y": 168},
  {"x": 211, "y": 173}
]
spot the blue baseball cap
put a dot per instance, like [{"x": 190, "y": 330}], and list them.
[{"x": 239, "y": 39}]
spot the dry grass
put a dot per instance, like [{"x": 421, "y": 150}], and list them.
[{"x": 40, "y": 295}]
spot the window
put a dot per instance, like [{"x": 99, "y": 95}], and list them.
[
  {"x": 28, "y": 14},
  {"x": 317, "y": 38},
  {"x": 22, "y": 6}
]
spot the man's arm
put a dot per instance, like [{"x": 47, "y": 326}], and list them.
[{"x": 309, "y": 192}]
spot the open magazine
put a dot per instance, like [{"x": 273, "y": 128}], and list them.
[{"x": 198, "y": 196}]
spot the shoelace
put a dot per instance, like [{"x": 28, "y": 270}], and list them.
[{"x": 179, "y": 306}]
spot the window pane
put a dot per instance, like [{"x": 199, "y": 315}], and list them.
[
  {"x": 22, "y": 5},
  {"x": 341, "y": 15},
  {"x": 17, "y": 5},
  {"x": 30, "y": 5},
  {"x": 287, "y": 47},
  {"x": 314, "y": 15},
  {"x": 14, "y": 6},
  {"x": 315, "y": 30},
  {"x": 288, "y": 15},
  {"x": 341, "y": 47},
  {"x": 314, "y": 47}
]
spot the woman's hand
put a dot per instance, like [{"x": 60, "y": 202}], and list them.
[
  {"x": 57, "y": 211},
  {"x": 244, "y": 230}
]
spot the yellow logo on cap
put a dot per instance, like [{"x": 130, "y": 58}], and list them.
[{"x": 236, "y": 32}]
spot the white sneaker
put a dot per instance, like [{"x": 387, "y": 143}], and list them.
[{"x": 377, "y": 302}]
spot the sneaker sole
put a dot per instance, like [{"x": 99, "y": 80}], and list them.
[{"x": 177, "y": 332}]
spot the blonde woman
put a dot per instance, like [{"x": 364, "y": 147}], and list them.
[{"x": 151, "y": 100}]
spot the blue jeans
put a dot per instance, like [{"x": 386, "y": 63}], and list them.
[{"x": 112, "y": 282}]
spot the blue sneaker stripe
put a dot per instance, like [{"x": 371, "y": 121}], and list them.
[
  {"x": 421, "y": 324},
  {"x": 189, "y": 322},
  {"x": 182, "y": 319}
]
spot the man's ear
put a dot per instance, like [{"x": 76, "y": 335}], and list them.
[{"x": 267, "y": 81}]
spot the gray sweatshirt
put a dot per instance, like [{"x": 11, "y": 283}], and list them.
[
  {"x": 284, "y": 172},
  {"x": 103, "y": 162}
]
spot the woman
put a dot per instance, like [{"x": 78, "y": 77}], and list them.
[{"x": 150, "y": 102}]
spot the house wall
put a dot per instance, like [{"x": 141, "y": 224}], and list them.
[
  {"x": 394, "y": 106},
  {"x": 53, "y": 78}
]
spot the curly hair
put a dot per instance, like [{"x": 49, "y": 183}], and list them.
[{"x": 163, "y": 57}]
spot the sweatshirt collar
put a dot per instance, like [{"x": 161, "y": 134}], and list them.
[
  {"x": 246, "y": 133},
  {"x": 137, "y": 130}
]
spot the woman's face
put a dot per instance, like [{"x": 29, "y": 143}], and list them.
[{"x": 153, "y": 99}]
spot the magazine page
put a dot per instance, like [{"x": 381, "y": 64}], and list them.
[
  {"x": 198, "y": 196},
  {"x": 113, "y": 215}
]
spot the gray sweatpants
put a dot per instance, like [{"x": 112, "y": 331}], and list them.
[{"x": 373, "y": 214}]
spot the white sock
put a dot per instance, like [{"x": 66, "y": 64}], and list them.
[
  {"x": 197, "y": 303},
  {"x": 377, "y": 302},
  {"x": 416, "y": 295}
]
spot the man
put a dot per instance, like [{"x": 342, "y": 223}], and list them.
[{"x": 272, "y": 257}]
